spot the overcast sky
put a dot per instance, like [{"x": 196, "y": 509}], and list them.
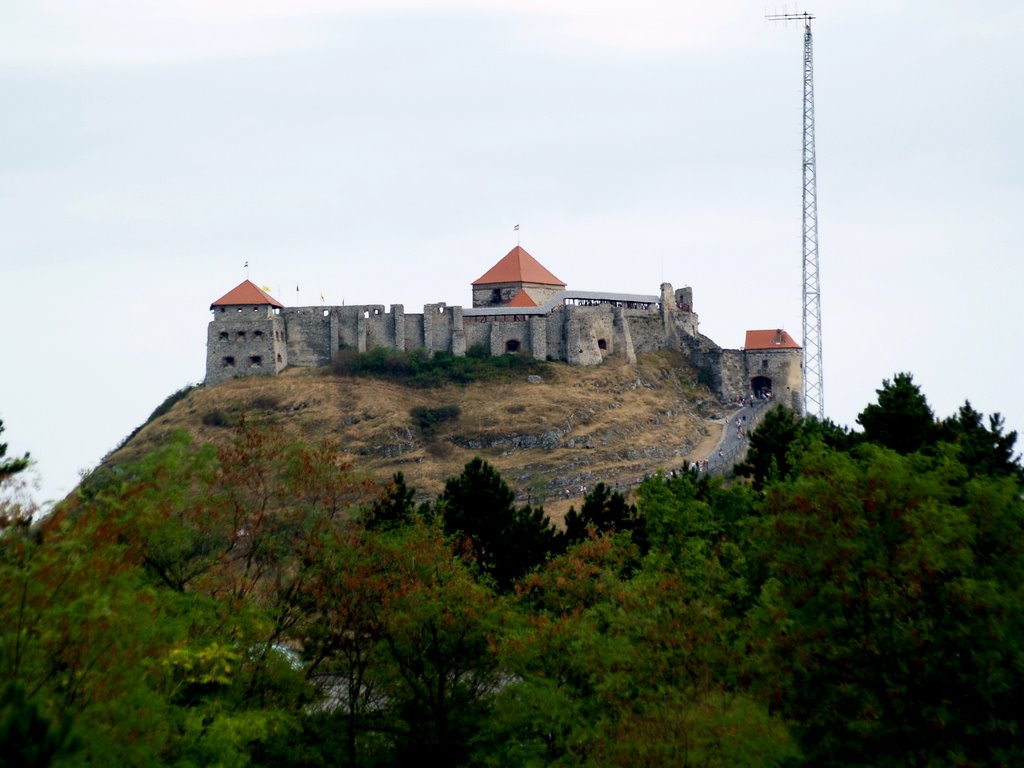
[{"x": 381, "y": 151}]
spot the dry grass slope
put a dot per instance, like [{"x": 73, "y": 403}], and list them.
[{"x": 613, "y": 423}]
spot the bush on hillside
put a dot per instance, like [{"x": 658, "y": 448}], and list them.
[{"x": 419, "y": 369}]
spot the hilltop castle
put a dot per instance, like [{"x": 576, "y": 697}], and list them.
[{"x": 518, "y": 306}]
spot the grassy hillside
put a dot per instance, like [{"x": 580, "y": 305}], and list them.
[{"x": 576, "y": 426}]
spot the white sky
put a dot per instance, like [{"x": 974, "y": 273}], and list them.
[{"x": 381, "y": 152}]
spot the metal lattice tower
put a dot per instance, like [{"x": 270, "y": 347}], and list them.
[{"x": 814, "y": 397}]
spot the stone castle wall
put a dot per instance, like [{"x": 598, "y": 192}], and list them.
[{"x": 577, "y": 328}]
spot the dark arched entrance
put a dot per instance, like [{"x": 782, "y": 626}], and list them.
[
  {"x": 760, "y": 385},
  {"x": 512, "y": 345}
]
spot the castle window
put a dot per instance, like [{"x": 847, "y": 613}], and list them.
[
  {"x": 255, "y": 360},
  {"x": 229, "y": 362},
  {"x": 512, "y": 345},
  {"x": 366, "y": 314},
  {"x": 241, "y": 335},
  {"x": 764, "y": 364},
  {"x": 279, "y": 357},
  {"x": 257, "y": 334},
  {"x": 496, "y": 296},
  {"x": 223, "y": 335},
  {"x": 327, "y": 312},
  {"x": 602, "y": 344}
]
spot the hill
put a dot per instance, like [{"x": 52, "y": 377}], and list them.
[{"x": 548, "y": 433}]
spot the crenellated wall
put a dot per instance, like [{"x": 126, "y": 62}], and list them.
[{"x": 578, "y": 328}]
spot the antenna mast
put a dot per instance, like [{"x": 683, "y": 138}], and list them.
[{"x": 814, "y": 399}]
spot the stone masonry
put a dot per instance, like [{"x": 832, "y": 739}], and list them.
[{"x": 253, "y": 334}]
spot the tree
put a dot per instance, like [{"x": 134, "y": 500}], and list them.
[
  {"x": 983, "y": 451},
  {"x": 394, "y": 508},
  {"x": 901, "y": 419},
  {"x": 611, "y": 669},
  {"x": 27, "y": 738},
  {"x": 892, "y": 614},
  {"x": 778, "y": 439},
  {"x": 10, "y": 467},
  {"x": 604, "y": 510},
  {"x": 438, "y": 626},
  {"x": 770, "y": 443},
  {"x": 479, "y": 509},
  {"x": 210, "y": 565}
]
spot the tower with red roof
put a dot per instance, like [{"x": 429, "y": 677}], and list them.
[
  {"x": 246, "y": 335},
  {"x": 517, "y": 280}
]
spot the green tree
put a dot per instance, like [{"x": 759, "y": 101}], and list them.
[
  {"x": 776, "y": 442},
  {"x": 27, "y": 738},
  {"x": 11, "y": 466},
  {"x": 438, "y": 628},
  {"x": 770, "y": 444},
  {"x": 604, "y": 510},
  {"x": 901, "y": 419},
  {"x": 394, "y": 508},
  {"x": 506, "y": 542},
  {"x": 985, "y": 451},
  {"x": 609, "y": 669},
  {"x": 892, "y": 614}
]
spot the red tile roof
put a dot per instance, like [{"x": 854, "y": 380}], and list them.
[
  {"x": 774, "y": 338},
  {"x": 246, "y": 292},
  {"x": 522, "y": 299},
  {"x": 518, "y": 266}
]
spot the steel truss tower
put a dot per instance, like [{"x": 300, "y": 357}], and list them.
[{"x": 814, "y": 397}]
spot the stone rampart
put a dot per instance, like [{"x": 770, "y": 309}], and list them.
[{"x": 581, "y": 328}]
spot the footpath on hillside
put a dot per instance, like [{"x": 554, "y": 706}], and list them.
[
  {"x": 735, "y": 440},
  {"x": 713, "y": 455}
]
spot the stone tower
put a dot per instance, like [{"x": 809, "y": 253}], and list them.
[
  {"x": 246, "y": 335},
  {"x": 774, "y": 363}
]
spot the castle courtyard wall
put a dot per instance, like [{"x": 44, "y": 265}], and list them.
[{"x": 308, "y": 335}]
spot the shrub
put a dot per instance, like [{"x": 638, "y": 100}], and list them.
[
  {"x": 428, "y": 419},
  {"x": 417, "y": 368},
  {"x": 266, "y": 402},
  {"x": 216, "y": 418}
]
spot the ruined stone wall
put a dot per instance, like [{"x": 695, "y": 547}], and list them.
[
  {"x": 510, "y": 333},
  {"x": 308, "y": 333},
  {"x": 647, "y": 331},
  {"x": 478, "y": 332},
  {"x": 555, "y": 327},
  {"x": 380, "y": 328},
  {"x": 735, "y": 381},
  {"x": 245, "y": 341},
  {"x": 581, "y": 339}
]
